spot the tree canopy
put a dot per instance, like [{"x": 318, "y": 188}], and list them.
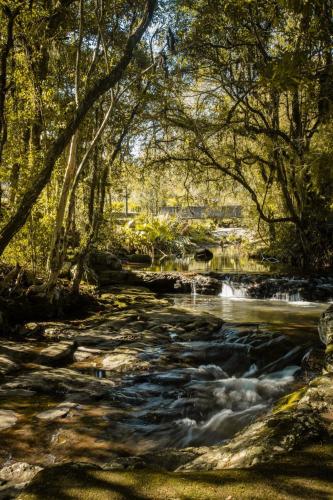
[{"x": 222, "y": 96}]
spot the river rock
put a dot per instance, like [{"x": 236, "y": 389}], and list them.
[
  {"x": 60, "y": 381},
  {"x": 325, "y": 329},
  {"x": 137, "y": 258},
  {"x": 84, "y": 353},
  {"x": 104, "y": 260},
  {"x": 123, "y": 360},
  {"x": 178, "y": 283},
  {"x": 18, "y": 351},
  {"x": 8, "y": 418},
  {"x": 164, "y": 282},
  {"x": 7, "y": 365},
  {"x": 19, "y": 473},
  {"x": 56, "y": 354},
  {"x": 57, "y": 412},
  {"x": 203, "y": 254}
]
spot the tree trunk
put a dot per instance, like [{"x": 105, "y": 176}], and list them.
[
  {"x": 104, "y": 84},
  {"x": 58, "y": 238},
  {"x": 3, "y": 73}
]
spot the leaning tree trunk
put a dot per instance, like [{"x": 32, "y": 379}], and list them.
[
  {"x": 58, "y": 238},
  {"x": 96, "y": 214}
]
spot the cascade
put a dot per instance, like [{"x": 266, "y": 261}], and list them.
[
  {"x": 233, "y": 291},
  {"x": 288, "y": 296}
]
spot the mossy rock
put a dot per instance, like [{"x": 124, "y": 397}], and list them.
[{"x": 289, "y": 402}]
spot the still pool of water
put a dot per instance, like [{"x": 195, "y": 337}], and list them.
[
  {"x": 224, "y": 260},
  {"x": 298, "y": 319}
]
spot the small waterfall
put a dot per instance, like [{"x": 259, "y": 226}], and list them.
[
  {"x": 194, "y": 287},
  {"x": 288, "y": 296},
  {"x": 230, "y": 291}
]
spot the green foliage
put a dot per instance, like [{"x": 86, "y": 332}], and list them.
[
  {"x": 240, "y": 110},
  {"x": 164, "y": 234}
]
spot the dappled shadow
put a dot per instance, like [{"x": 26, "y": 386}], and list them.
[
  {"x": 110, "y": 419},
  {"x": 306, "y": 474}
]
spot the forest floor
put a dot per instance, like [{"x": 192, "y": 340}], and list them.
[{"x": 306, "y": 473}]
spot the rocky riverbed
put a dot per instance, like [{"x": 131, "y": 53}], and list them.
[
  {"x": 317, "y": 288},
  {"x": 147, "y": 384}
]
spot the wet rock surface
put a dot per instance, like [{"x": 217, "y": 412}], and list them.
[
  {"x": 279, "y": 287},
  {"x": 203, "y": 254},
  {"x": 149, "y": 384},
  {"x": 172, "y": 282},
  {"x": 56, "y": 354},
  {"x": 254, "y": 285},
  {"x": 8, "y": 418},
  {"x": 7, "y": 365},
  {"x": 300, "y": 418},
  {"x": 326, "y": 336}
]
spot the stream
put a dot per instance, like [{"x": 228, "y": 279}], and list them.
[{"x": 155, "y": 376}]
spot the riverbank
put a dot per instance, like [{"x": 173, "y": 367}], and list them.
[{"x": 303, "y": 474}]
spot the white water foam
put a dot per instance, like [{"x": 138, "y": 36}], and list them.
[
  {"x": 237, "y": 291},
  {"x": 231, "y": 291},
  {"x": 288, "y": 297},
  {"x": 239, "y": 400}
]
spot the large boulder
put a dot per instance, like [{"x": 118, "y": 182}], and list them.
[
  {"x": 325, "y": 329},
  {"x": 101, "y": 266},
  {"x": 99, "y": 261},
  {"x": 326, "y": 326}
]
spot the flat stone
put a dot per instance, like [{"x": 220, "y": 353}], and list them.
[
  {"x": 19, "y": 472},
  {"x": 123, "y": 361},
  {"x": 7, "y": 365},
  {"x": 83, "y": 353},
  {"x": 59, "y": 411},
  {"x": 8, "y": 418},
  {"x": 55, "y": 354},
  {"x": 60, "y": 381},
  {"x": 17, "y": 351},
  {"x": 16, "y": 392}
]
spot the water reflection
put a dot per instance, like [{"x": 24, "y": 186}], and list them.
[
  {"x": 297, "y": 319},
  {"x": 228, "y": 260}
]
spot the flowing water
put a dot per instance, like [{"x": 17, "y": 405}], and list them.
[
  {"x": 203, "y": 390},
  {"x": 182, "y": 386}
]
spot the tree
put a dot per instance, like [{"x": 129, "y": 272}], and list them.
[
  {"x": 76, "y": 117},
  {"x": 252, "y": 100}
]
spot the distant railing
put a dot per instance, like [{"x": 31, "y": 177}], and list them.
[
  {"x": 195, "y": 212},
  {"x": 226, "y": 212}
]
